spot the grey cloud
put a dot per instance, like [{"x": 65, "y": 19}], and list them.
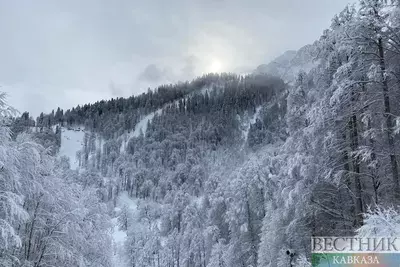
[
  {"x": 76, "y": 48},
  {"x": 152, "y": 73},
  {"x": 155, "y": 74},
  {"x": 189, "y": 68},
  {"x": 115, "y": 90}
]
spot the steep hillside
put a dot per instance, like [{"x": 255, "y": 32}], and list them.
[
  {"x": 289, "y": 64},
  {"x": 170, "y": 151}
]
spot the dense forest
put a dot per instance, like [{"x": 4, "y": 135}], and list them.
[{"x": 228, "y": 170}]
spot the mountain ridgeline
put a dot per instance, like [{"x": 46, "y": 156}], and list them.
[
  {"x": 221, "y": 92},
  {"x": 233, "y": 171}
]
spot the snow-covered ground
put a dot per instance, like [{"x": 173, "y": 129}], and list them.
[
  {"x": 142, "y": 125},
  {"x": 119, "y": 255},
  {"x": 246, "y": 122},
  {"x": 205, "y": 90},
  {"x": 124, "y": 141},
  {"x": 71, "y": 142}
]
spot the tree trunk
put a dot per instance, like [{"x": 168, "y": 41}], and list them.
[
  {"x": 389, "y": 121},
  {"x": 356, "y": 170},
  {"x": 31, "y": 229},
  {"x": 251, "y": 232}
]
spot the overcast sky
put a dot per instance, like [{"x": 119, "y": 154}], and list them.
[{"x": 68, "y": 52}]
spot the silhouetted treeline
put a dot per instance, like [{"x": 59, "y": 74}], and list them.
[{"x": 108, "y": 117}]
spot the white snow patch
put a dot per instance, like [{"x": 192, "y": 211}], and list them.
[
  {"x": 119, "y": 236},
  {"x": 247, "y": 122},
  {"x": 255, "y": 116},
  {"x": 142, "y": 125},
  {"x": 198, "y": 201},
  {"x": 71, "y": 142},
  {"x": 99, "y": 143},
  {"x": 205, "y": 90},
  {"x": 125, "y": 139}
]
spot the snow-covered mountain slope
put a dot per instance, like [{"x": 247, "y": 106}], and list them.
[
  {"x": 290, "y": 63},
  {"x": 71, "y": 143},
  {"x": 142, "y": 125},
  {"x": 246, "y": 121},
  {"x": 73, "y": 140}
]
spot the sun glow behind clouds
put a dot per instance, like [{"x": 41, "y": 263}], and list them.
[{"x": 215, "y": 66}]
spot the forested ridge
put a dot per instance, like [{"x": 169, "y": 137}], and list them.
[{"x": 228, "y": 170}]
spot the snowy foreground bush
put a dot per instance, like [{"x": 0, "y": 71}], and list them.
[
  {"x": 380, "y": 222},
  {"x": 47, "y": 217}
]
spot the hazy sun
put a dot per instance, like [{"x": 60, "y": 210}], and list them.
[{"x": 215, "y": 66}]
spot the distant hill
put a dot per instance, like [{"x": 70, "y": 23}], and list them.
[{"x": 290, "y": 63}]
